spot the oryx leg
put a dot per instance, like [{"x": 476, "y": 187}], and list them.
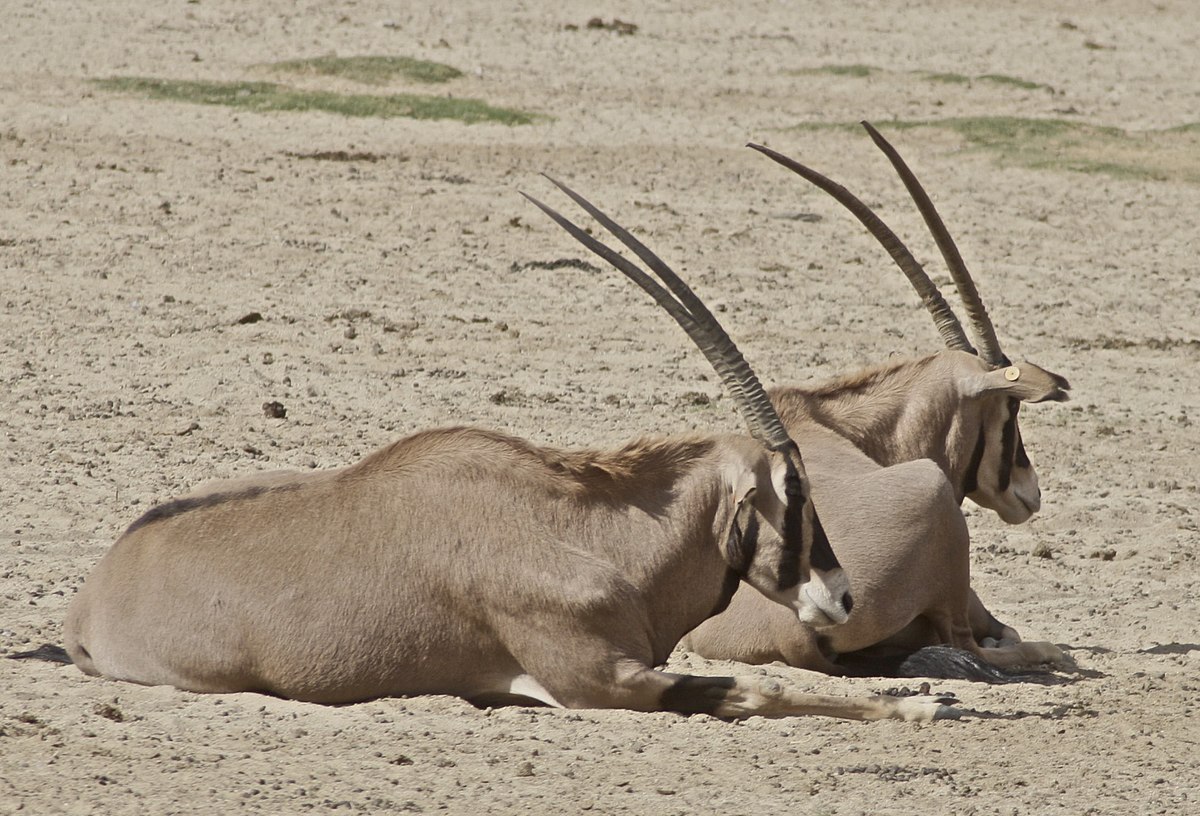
[
  {"x": 957, "y": 631},
  {"x": 647, "y": 689},
  {"x": 768, "y": 697},
  {"x": 607, "y": 671},
  {"x": 987, "y": 630},
  {"x": 1026, "y": 654}
]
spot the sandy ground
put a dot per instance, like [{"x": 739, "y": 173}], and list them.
[{"x": 401, "y": 291}]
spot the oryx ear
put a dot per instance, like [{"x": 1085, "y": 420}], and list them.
[
  {"x": 1023, "y": 381},
  {"x": 743, "y": 482}
]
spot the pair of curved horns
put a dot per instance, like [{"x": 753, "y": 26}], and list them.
[
  {"x": 944, "y": 318},
  {"x": 690, "y": 313}
]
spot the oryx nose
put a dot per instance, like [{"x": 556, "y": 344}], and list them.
[{"x": 847, "y": 602}]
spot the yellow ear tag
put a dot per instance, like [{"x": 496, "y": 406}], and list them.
[{"x": 1012, "y": 373}]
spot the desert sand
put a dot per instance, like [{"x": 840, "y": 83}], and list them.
[{"x": 403, "y": 283}]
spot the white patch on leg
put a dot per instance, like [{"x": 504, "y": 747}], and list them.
[{"x": 526, "y": 686}]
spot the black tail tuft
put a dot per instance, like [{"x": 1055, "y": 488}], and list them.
[
  {"x": 948, "y": 663},
  {"x": 938, "y": 662},
  {"x": 47, "y": 651}
]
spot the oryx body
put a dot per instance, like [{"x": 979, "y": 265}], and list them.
[
  {"x": 949, "y": 423},
  {"x": 455, "y": 561}
]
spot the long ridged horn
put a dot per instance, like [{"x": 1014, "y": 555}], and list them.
[
  {"x": 985, "y": 334},
  {"x": 943, "y": 316},
  {"x": 690, "y": 313}
]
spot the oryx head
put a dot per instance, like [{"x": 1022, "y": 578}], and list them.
[
  {"x": 998, "y": 474},
  {"x": 790, "y": 559}
]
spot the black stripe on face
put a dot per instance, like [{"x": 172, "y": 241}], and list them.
[
  {"x": 792, "y": 548},
  {"x": 1009, "y": 439},
  {"x": 822, "y": 556},
  {"x": 971, "y": 479},
  {"x": 1022, "y": 456},
  {"x": 742, "y": 544}
]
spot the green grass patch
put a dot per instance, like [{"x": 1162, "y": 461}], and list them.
[
  {"x": 371, "y": 70},
  {"x": 1059, "y": 144},
  {"x": 268, "y": 97},
  {"x": 1016, "y": 82},
  {"x": 995, "y": 79},
  {"x": 949, "y": 78},
  {"x": 841, "y": 70}
]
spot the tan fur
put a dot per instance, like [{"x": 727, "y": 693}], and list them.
[
  {"x": 885, "y": 449},
  {"x": 455, "y": 561}
]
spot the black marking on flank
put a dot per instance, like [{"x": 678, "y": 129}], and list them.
[
  {"x": 696, "y": 695},
  {"x": 179, "y": 506}
]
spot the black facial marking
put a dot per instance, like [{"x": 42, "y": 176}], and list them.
[
  {"x": 180, "y": 506},
  {"x": 742, "y": 543},
  {"x": 971, "y": 479},
  {"x": 793, "y": 530},
  {"x": 696, "y": 695},
  {"x": 822, "y": 556},
  {"x": 1008, "y": 443},
  {"x": 1022, "y": 456}
]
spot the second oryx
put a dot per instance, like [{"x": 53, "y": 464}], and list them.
[{"x": 956, "y": 408}]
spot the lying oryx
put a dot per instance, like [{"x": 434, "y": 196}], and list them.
[
  {"x": 467, "y": 562},
  {"x": 909, "y": 561}
]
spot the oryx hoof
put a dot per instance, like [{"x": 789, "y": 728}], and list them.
[{"x": 926, "y": 708}]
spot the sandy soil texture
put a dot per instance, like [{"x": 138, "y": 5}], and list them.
[{"x": 403, "y": 283}]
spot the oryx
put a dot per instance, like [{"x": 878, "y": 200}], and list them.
[
  {"x": 910, "y": 563},
  {"x": 467, "y": 562}
]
